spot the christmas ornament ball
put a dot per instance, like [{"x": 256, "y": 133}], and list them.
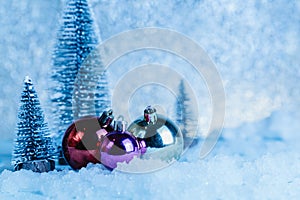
[
  {"x": 81, "y": 141},
  {"x": 119, "y": 146},
  {"x": 163, "y": 139}
]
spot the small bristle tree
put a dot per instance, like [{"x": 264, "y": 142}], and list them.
[
  {"x": 33, "y": 141},
  {"x": 184, "y": 116}
]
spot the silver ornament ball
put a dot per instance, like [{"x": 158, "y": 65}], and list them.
[{"x": 163, "y": 138}]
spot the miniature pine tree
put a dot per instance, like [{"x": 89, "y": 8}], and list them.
[
  {"x": 184, "y": 115},
  {"x": 102, "y": 100},
  {"x": 91, "y": 88},
  {"x": 76, "y": 39},
  {"x": 33, "y": 141}
]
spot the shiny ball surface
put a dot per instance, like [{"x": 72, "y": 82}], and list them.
[
  {"x": 117, "y": 147},
  {"x": 81, "y": 144},
  {"x": 163, "y": 138}
]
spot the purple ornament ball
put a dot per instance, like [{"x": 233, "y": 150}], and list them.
[{"x": 117, "y": 147}]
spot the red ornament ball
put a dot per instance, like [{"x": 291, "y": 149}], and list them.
[{"x": 81, "y": 141}]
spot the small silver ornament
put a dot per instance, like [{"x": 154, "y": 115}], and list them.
[{"x": 162, "y": 137}]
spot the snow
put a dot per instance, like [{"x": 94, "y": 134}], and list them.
[
  {"x": 27, "y": 79},
  {"x": 219, "y": 177},
  {"x": 253, "y": 44}
]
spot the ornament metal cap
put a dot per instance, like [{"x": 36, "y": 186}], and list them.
[
  {"x": 120, "y": 124},
  {"x": 106, "y": 118},
  {"x": 150, "y": 115}
]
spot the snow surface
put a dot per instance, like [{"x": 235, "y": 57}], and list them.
[
  {"x": 220, "y": 177},
  {"x": 255, "y": 47}
]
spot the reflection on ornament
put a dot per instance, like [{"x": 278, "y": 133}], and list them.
[
  {"x": 81, "y": 141},
  {"x": 163, "y": 139},
  {"x": 119, "y": 146}
]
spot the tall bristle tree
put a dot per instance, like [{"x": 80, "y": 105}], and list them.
[
  {"x": 102, "y": 96},
  {"x": 76, "y": 39},
  {"x": 91, "y": 94},
  {"x": 33, "y": 141}
]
